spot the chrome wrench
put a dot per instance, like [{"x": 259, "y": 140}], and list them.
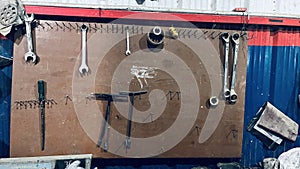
[
  {"x": 83, "y": 67},
  {"x": 29, "y": 55},
  {"x": 226, "y": 91},
  {"x": 127, "y": 43},
  {"x": 236, "y": 40}
]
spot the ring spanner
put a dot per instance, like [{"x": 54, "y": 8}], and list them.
[
  {"x": 236, "y": 40},
  {"x": 226, "y": 92}
]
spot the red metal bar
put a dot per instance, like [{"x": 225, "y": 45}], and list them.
[
  {"x": 62, "y": 11},
  {"x": 264, "y": 37},
  {"x": 105, "y": 13}
]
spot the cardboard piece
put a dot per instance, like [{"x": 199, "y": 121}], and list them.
[{"x": 277, "y": 122}]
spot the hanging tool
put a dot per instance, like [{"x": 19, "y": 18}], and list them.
[
  {"x": 83, "y": 69},
  {"x": 29, "y": 55},
  {"x": 173, "y": 32},
  {"x": 105, "y": 122},
  {"x": 213, "y": 101},
  {"x": 41, "y": 91},
  {"x": 130, "y": 113},
  {"x": 155, "y": 37},
  {"x": 127, "y": 43},
  {"x": 236, "y": 39},
  {"x": 226, "y": 91}
]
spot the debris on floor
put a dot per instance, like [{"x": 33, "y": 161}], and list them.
[
  {"x": 233, "y": 165},
  {"x": 270, "y": 163},
  {"x": 290, "y": 159},
  {"x": 200, "y": 167}
]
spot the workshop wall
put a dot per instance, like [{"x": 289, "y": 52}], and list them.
[
  {"x": 273, "y": 74},
  {"x": 6, "y": 50},
  {"x": 78, "y": 119}
]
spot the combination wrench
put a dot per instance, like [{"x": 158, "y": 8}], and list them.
[
  {"x": 127, "y": 43},
  {"x": 83, "y": 67},
  {"x": 236, "y": 40},
  {"x": 226, "y": 91},
  {"x": 29, "y": 55}
]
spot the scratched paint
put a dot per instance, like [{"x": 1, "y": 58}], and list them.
[{"x": 143, "y": 73}]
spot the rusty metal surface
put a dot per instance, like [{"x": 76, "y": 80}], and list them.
[{"x": 73, "y": 125}]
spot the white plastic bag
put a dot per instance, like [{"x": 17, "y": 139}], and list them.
[{"x": 290, "y": 159}]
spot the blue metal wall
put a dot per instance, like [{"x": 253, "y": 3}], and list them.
[
  {"x": 6, "y": 50},
  {"x": 273, "y": 74}
]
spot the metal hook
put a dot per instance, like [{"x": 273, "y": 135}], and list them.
[
  {"x": 90, "y": 28},
  {"x": 17, "y": 104},
  {"x": 49, "y": 25},
  {"x": 77, "y": 27},
  {"x": 189, "y": 33},
  {"x": 58, "y": 26},
  {"x": 195, "y": 33},
  {"x": 41, "y": 25},
  {"x": 67, "y": 97},
  {"x": 71, "y": 26},
  {"x": 66, "y": 26},
  {"x": 214, "y": 37}
]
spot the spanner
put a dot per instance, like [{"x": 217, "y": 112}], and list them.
[
  {"x": 83, "y": 67},
  {"x": 225, "y": 37},
  {"x": 29, "y": 55},
  {"x": 236, "y": 41},
  {"x": 127, "y": 43}
]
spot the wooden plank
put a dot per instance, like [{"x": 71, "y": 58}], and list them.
[{"x": 274, "y": 120}]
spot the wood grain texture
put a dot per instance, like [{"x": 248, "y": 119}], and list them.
[{"x": 74, "y": 128}]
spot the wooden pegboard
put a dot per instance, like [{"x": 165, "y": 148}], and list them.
[{"x": 73, "y": 125}]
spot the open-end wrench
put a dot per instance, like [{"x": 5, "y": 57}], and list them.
[
  {"x": 29, "y": 55},
  {"x": 236, "y": 41},
  {"x": 83, "y": 67},
  {"x": 127, "y": 43},
  {"x": 226, "y": 91}
]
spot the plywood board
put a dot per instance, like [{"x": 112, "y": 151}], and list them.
[{"x": 171, "y": 120}]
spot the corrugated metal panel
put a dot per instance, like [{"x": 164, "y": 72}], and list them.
[
  {"x": 273, "y": 75},
  {"x": 6, "y": 50},
  {"x": 285, "y": 8}
]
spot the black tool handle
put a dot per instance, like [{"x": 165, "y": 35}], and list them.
[
  {"x": 105, "y": 122},
  {"x": 41, "y": 91}
]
